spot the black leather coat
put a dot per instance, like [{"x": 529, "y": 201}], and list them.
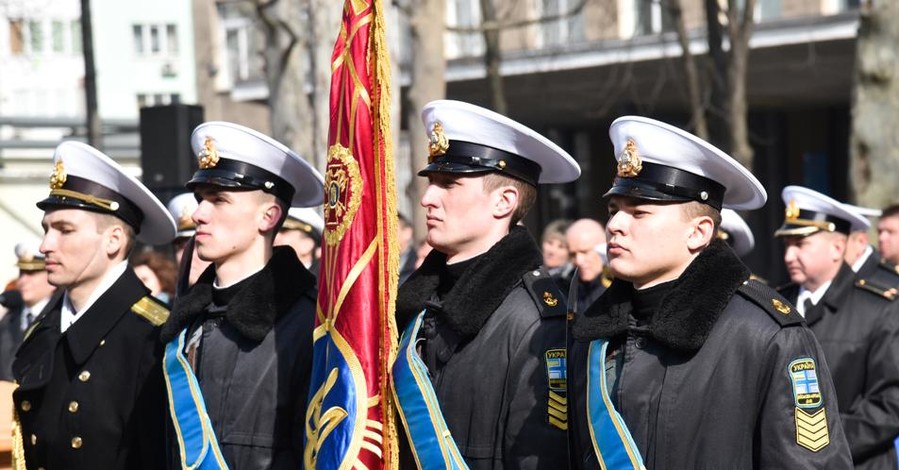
[
  {"x": 93, "y": 397},
  {"x": 705, "y": 385},
  {"x": 486, "y": 344},
  {"x": 254, "y": 361},
  {"x": 858, "y": 328}
]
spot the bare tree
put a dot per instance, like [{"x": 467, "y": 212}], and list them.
[
  {"x": 428, "y": 82},
  {"x": 691, "y": 71},
  {"x": 874, "y": 151},
  {"x": 94, "y": 125}
]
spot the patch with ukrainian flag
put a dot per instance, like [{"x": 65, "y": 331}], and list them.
[
  {"x": 556, "y": 366},
  {"x": 557, "y": 400},
  {"x": 804, "y": 376}
]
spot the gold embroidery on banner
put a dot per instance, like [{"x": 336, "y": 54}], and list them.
[{"x": 343, "y": 186}]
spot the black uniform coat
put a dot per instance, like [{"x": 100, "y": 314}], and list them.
[
  {"x": 881, "y": 272},
  {"x": 11, "y": 335},
  {"x": 254, "y": 362},
  {"x": 486, "y": 343},
  {"x": 858, "y": 328},
  {"x": 706, "y": 384},
  {"x": 93, "y": 397}
]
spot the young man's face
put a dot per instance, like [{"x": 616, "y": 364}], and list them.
[
  {"x": 888, "y": 238},
  {"x": 459, "y": 215},
  {"x": 75, "y": 247},
  {"x": 647, "y": 240},
  {"x": 814, "y": 259},
  {"x": 227, "y": 222}
]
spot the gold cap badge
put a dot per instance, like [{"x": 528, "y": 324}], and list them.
[
  {"x": 629, "y": 162},
  {"x": 792, "y": 212},
  {"x": 58, "y": 176},
  {"x": 438, "y": 144},
  {"x": 209, "y": 156}
]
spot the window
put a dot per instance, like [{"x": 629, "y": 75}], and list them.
[
  {"x": 157, "y": 99},
  {"x": 464, "y": 13},
  {"x": 767, "y": 10},
  {"x": 240, "y": 58},
  {"x": 652, "y": 17},
  {"x": 563, "y": 30},
  {"x": 155, "y": 39},
  {"x": 59, "y": 32},
  {"x": 36, "y": 36},
  {"x": 16, "y": 37},
  {"x": 76, "y": 36}
]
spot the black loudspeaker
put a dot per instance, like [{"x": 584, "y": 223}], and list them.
[{"x": 166, "y": 158}]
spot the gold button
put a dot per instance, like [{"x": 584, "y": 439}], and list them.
[
  {"x": 41, "y": 468},
  {"x": 26, "y": 405},
  {"x": 76, "y": 442},
  {"x": 84, "y": 376},
  {"x": 33, "y": 440},
  {"x": 73, "y": 406},
  {"x": 102, "y": 342}
]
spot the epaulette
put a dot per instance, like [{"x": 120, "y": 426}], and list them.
[
  {"x": 888, "y": 293},
  {"x": 151, "y": 310},
  {"x": 545, "y": 292},
  {"x": 770, "y": 301},
  {"x": 889, "y": 266}
]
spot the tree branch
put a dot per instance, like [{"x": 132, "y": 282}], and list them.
[{"x": 500, "y": 25}]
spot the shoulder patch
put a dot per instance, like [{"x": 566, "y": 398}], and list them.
[
  {"x": 888, "y": 293},
  {"x": 545, "y": 293},
  {"x": 151, "y": 310},
  {"x": 770, "y": 301}
]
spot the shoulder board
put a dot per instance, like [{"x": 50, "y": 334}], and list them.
[
  {"x": 884, "y": 264},
  {"x": 151, "y": 310},
  {"x": 545, "y": 293},
  {"x": 770, "y": 301},
  {"x": 888, "y": 293}
]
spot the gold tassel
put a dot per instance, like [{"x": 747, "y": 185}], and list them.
[{"x": 18, "y": 445}]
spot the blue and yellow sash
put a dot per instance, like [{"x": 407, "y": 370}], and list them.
[
  {"x": 196, "y": 439},
  {"x": 430, "y": 439},
  {"x": 612, "y": 441}
]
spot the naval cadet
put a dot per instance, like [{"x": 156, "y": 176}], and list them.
[
  {"x": 864, "y": 258},
  {"x": 239, "y": 342},
  {"x": 684, "y": 362},
  {"x": 302, "y": 231},
  {"x": 856, "y": 322},
  {"x": 91, "y": 393},
  {"x": 35, "y": 291},
  {"x": 480, "y": 302}
]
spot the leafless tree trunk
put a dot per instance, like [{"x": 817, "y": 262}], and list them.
[
  {"x": 492, "y": 58},
  {"x": 428, "y": 71},
  {"x": 874, "y": 147},
  {"x": 691, "y": 72},
  {"x": 284, "y": 45},
  {"x": 94, "y": 124},
  {"x": 740, "y": 23},
  {"x": 325, "y": 17}
]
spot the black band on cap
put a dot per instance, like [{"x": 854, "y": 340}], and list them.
[
  {"x": 237, "y": 174},
  {"x": 467, "y": 157},
  {"x": 85, "y": 194},
  {"x": 662, "y": 182}
]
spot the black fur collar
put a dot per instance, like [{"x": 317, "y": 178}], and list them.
[
  {"x": 255, "y": 309},
  {"x": 480, "y": 290},
  {"x": 687, "y": 313}
]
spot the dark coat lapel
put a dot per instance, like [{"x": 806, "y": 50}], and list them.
[
  {"x": 85, "y": 334},
  {"x": 835, "y": 296},
  {"x": 480, "y": 290},
  {"x": 687, "y": 313},
  {"x": 256, "y": 308}
]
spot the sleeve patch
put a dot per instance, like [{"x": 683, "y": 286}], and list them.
[{"x": 804, "y": 376}]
